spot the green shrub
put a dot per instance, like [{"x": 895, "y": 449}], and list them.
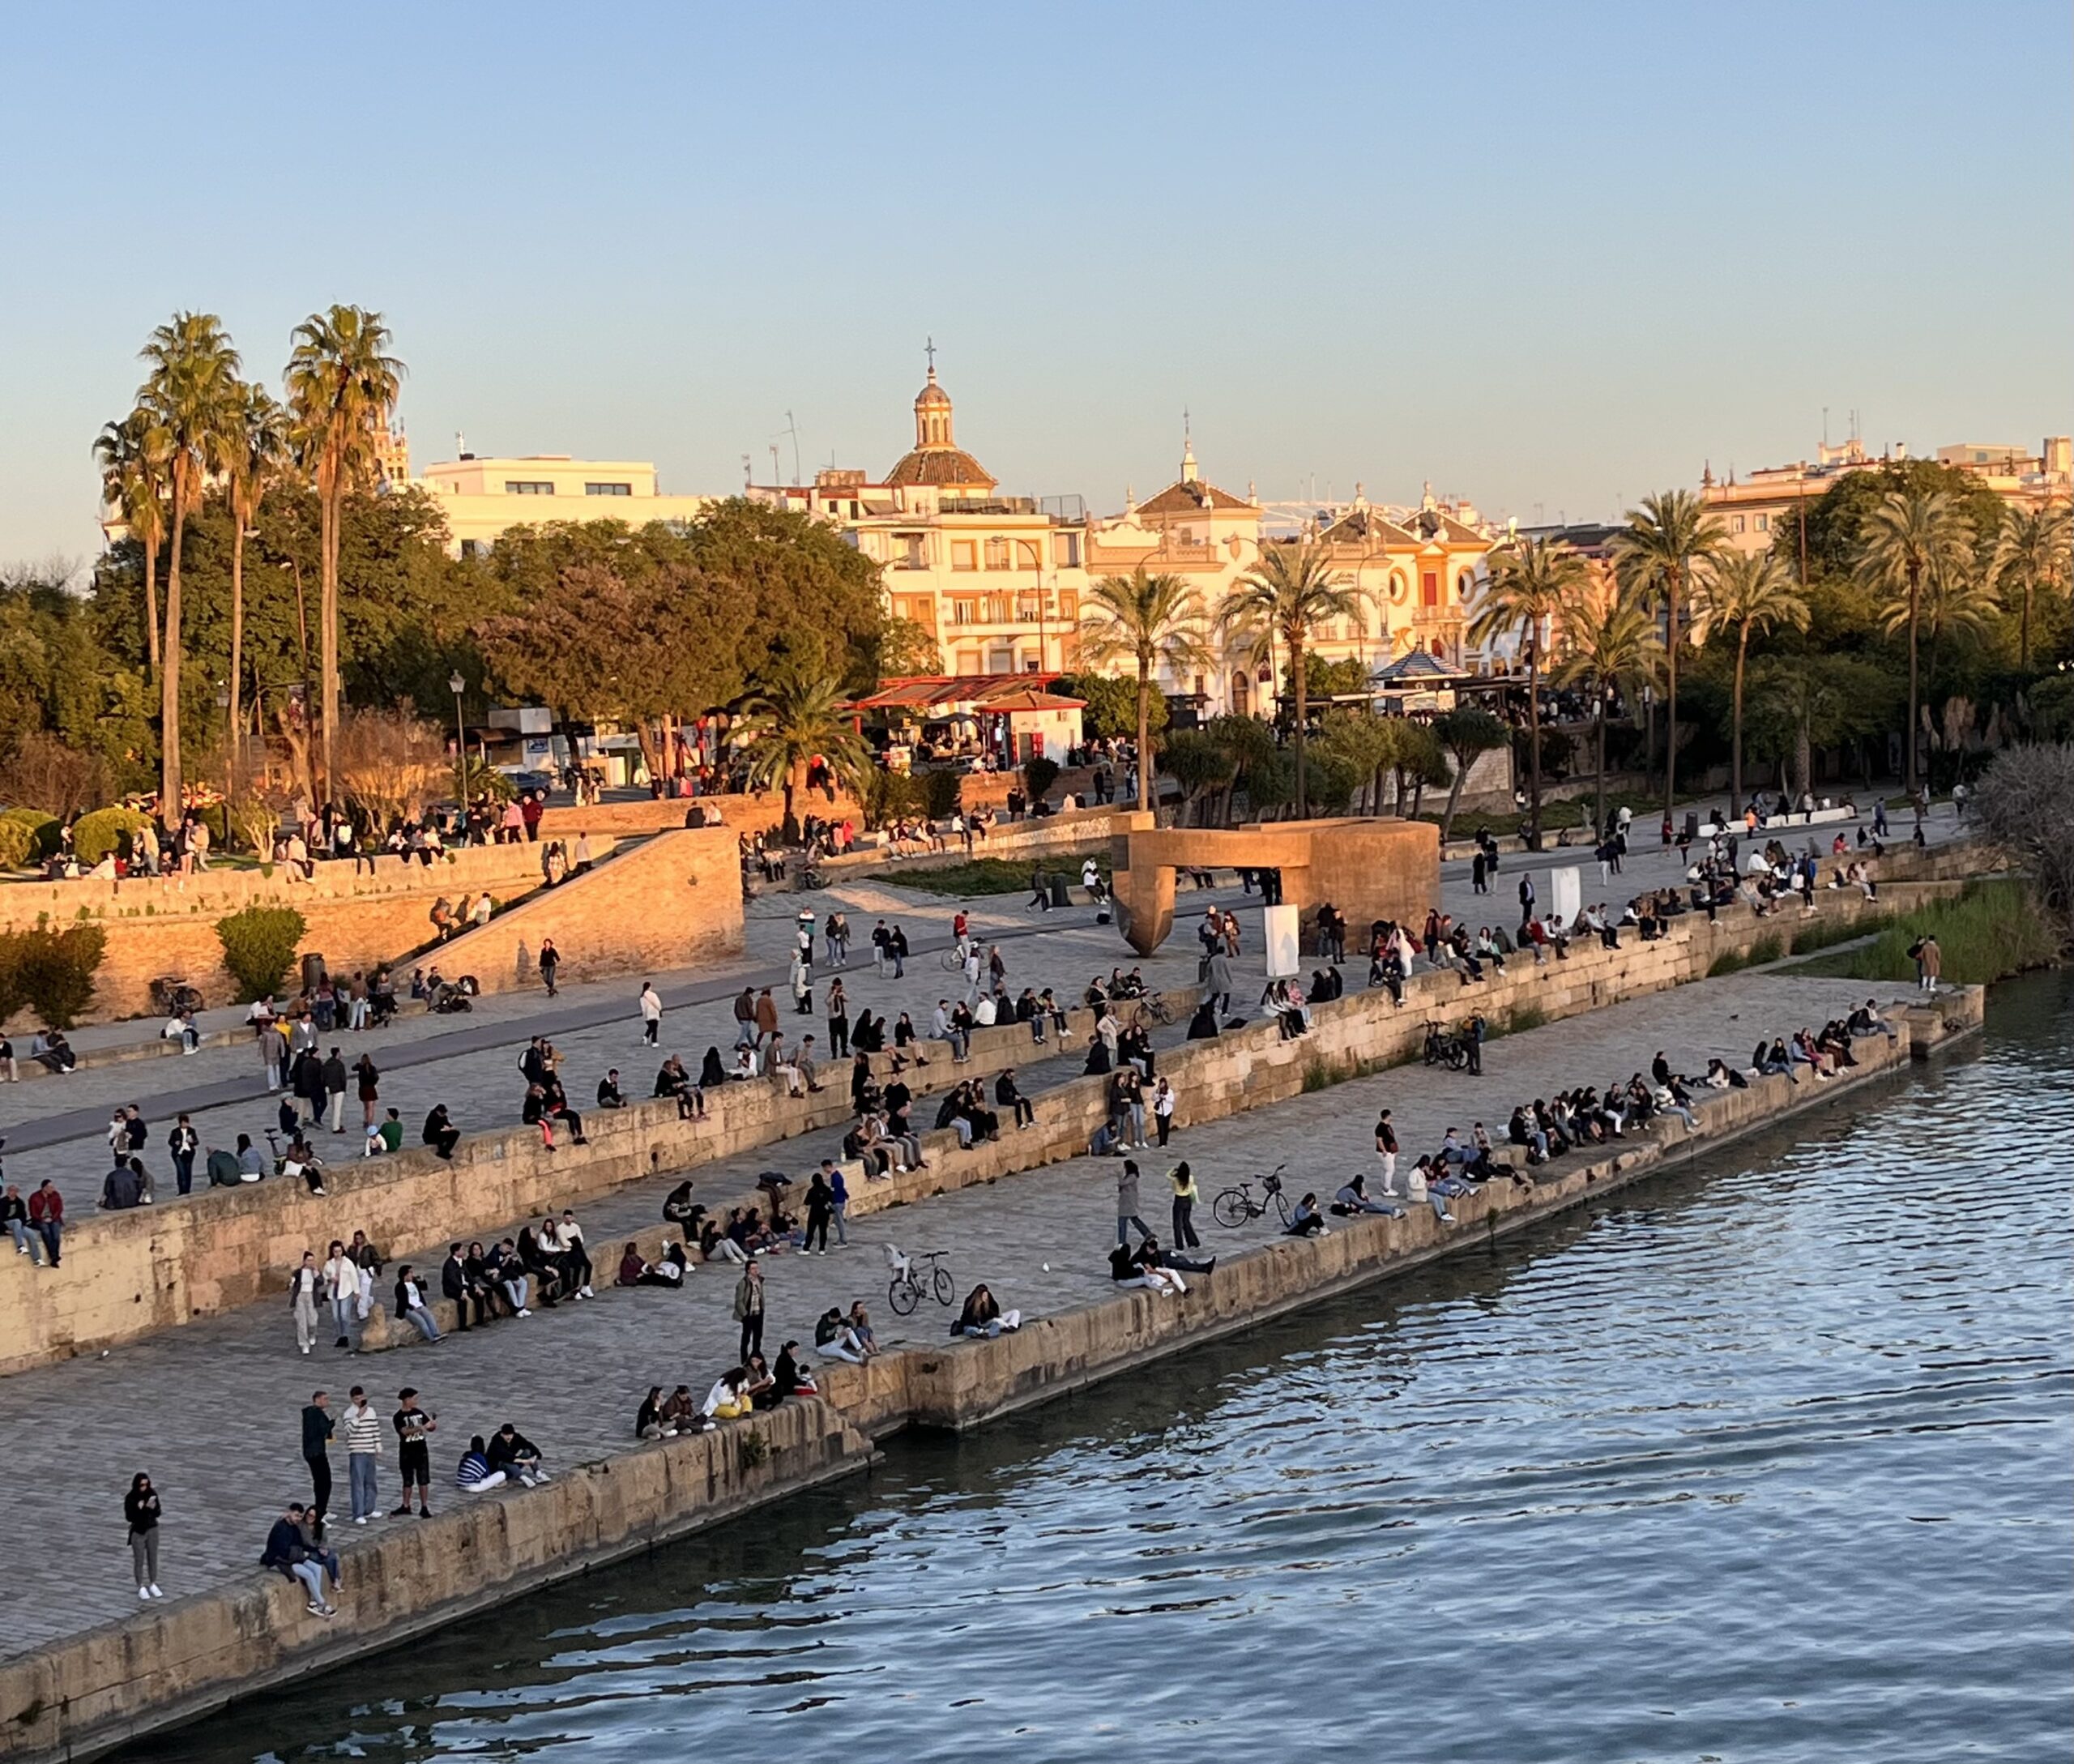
[
  {"x": 18, "y": 842},
  {"x": 1766, "y": 948},
  {"x": 259, "y": 945},
  {"x": 95, "y": 835},
  {"x": 50, "y": 973},
  {"x": 44, "y": 832},
  {"x": 1039, "y": 775},
  {"x": 940, "y": 795},
  {"x": 887, "y": 795},
  {"x": 1810, "y": 938}
]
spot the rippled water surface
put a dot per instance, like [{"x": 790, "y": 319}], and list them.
[{"x": 1772, "y": 1461}]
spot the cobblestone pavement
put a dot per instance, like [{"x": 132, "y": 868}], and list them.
[{"x": 211, "y": 1411}]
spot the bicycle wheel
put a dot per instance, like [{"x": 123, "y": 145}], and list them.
[
  {"x": 1162, "y": 1011},
  {"x": 901, "y": 1295},
  {"x": 1281, "y": 1207},
  {"x": 1231, "y": 1209},
  {"x": 950, "y": 962},
  {"x": 1457, "y": 1057},
  {"x": 946, "y": 1291}
]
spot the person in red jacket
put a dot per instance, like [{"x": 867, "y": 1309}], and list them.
[{"x": 47, "y": 1215}]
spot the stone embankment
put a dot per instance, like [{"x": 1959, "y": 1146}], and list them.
[{"x": 170, "y": 1663}]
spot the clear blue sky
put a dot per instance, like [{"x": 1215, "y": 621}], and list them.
[{"x": 1542, "y": 255}]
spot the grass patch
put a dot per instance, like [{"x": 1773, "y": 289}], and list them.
[
  {"x": 1574, "y": 815},
  {"x": 1765, "y": 950},
  {"x": 992, "y": 875},
  {"x": 1992, "y": 930},
  {"x": 1810, "y": 938},
  {"x": 1520, "y": 1019}
]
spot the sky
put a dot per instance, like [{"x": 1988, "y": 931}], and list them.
[{"x": 1548, "y": 258}]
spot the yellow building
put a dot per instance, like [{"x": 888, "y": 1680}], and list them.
[{"x": 481, "y": 497}]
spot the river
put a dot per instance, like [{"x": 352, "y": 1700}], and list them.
[{"x": 1773, "y": 1459}]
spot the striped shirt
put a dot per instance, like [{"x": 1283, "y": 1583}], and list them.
[{"x": 363, "y": 1432}]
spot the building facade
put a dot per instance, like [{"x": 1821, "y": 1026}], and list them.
[{"x": 482, "y": 497}]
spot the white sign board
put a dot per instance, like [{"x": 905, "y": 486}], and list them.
[
  {"x": 1279, "y": 938},
  {"x": 1566, "y": 892}
]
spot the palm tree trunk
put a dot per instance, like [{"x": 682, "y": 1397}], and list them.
[
  {"x": 1144, "y": 734},
  {"x": 1534, "y": 750},
  {"x": 1736, "y": 724},
  {"x": 327, "y": 616},
  {"x": 152, "y": 604},
  {"x": 1670, "y": 705},
  {"x": 1599, "y": 800},
  {"x": 233, "y": 728},
  {"x": 1909, "y": 762},
  {"x": 1295, "y": 645},
  {"x": 169, "y": 672}
]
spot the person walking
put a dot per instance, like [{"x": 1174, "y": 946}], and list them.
[
  {"x": 318, "y": 1427},
  {"x": 748, "y": 1309},
  {"x": 183, "y": 1142},
  {"x": 1128, "y": 1203},
  {"x": 140, "y": 1508},
  {"x": 304, "y": 1286},
  {"x": 1386, "y": 1150},
  {"x": 652, "y": 1014},
  {"x": 838, "y": 1022},
  {"x": 550, "y": 963},
  {"x": 363, "y": 1453},
  {"x": 415, "y": 1428},
  {"x": 367, "y": 1078},
  {"x": 1185, "y": 1195},
  {"x": 896, "y": 947},
  {"x": 334, "y": 1089}
]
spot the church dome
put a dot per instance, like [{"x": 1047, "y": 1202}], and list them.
[{"x": 936, "y": 459}]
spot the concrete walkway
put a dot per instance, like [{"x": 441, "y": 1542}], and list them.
[{"x": 211, "y": 1411}]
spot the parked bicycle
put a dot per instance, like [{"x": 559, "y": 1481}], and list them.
[
  {"x": 1237, "y": 1204},
  {"x": 916, "y": 1277},
  {"x": 1445, "y": 1046},
  {"x": 1152, "y": 1009}
]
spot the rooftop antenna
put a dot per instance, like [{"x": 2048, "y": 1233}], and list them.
[
  {"x": 748, "y": 477},
  {"x": 460, "y": 445},
  {"x": 774, "y": 462},
  {"x": 1825, "y": 426},
  {"x": 792, "y": 429}
]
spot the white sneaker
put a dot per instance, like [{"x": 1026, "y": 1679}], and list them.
[
  {"x": 588, "y": 1293},
  {"x": 362, "y": 1520},
  {"x": 523, "y": 1313},
  {"x": 144, "y": 1592},
  {"x": 155, "y": 1591}
]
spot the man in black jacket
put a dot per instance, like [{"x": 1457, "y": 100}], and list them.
[
  {"x": 317, "y": 1428},
  {"x": 287, "y": 1553},
  {"x": 454, "y": 1282}
]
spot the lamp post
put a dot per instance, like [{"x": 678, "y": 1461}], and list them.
[
  {"x": 456, "y": 685},
  {"x": 230, "y": 754}
]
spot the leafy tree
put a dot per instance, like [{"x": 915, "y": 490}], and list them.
[
  {"x": 1344, "y": 678},
  {"x": 1907, "y": 543},
  {"x": 1836, "y": 518},
  {"x": 1145, "y": 620},
  {"x": 1665, "y": 544},
  {"x": 2026, "y": 801},
  {"x": 341, "y": 384},
  {"x": 193, "y": 399},
  {"x": 1287, "y": 594},
  {"x": 1195, "y": 760},
  {"x": 1039, "y": 773},
  {"x": 906, "y": 647},
  {"x": 1113, "y": 706},
  {"x": 1464, "y": 733},
  {"x": 1421, "y": 762},
  {"x": 1530, "y": 583},
  {"x": 795, "y": 719},
  {"x": 1751, "y": 594},
  {"x": 1798, "y": 703},
  {"x": 2033, "y": 556},
  {"x": 1366, "y": 743}
]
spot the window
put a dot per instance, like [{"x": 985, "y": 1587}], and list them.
[
  {"x": 1030, "y": 663},
  {"x": 910, "y": 551},
  {"x": 1069, "y": 606},
  {"x": 964, "y": 609},
  {"x": 968, "y": 661},
  {"x": 964, "y": 554},
  {"x": 1397, "y": 587},
  {"x": 1735, "y": 523},
  {"x": 1065, "y": 551},
  {"x": 995, "y": 608},
  {"x": 1429, "y": 587},
  {"x": 1465, "y": 584},
  {"x": 528, "y": 487},
  {"x": 608, "y": 489},
  {"x": 997, "y": 554},
  {"x": 1763, "y": 524},
  {"x": 1029, "y": 554},
  {"x": 1028, "y": 609}
]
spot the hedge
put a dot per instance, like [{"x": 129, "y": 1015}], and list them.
[
  {"x": 27, "y": 836},
  {"x": 49, "y": 973},
  {"x": 95, "y": 835},
  {"x": 259, "y": 945}
]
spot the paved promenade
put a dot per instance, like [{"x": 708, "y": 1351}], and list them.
[{"x": 211, "y": 1410}]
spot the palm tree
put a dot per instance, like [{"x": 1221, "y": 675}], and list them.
[
  {"x": 2033, "y": 556},
  {"x": 1612, "y": 642},
  {"x": 1530, "y": 583},
  {"x": 258, "y": 455},
  {"x": 1666, "y": 541},
  {"x": 1145, "y": 620},
  {"x": 1908, "y": 542},
  {"x": 341, "y": 388},
  {"x": 1753, "y": 594},
  {"x": 132, "y": 457},
  {"x": 192, "y": 393},
  {"x": 796, "y": 719},
  {"x": 1288, "y": 594}
]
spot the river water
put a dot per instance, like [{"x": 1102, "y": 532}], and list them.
[{"x": 1770, "y": 1460}]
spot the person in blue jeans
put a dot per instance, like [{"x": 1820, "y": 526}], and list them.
[{"x": 840, "y": 1191}]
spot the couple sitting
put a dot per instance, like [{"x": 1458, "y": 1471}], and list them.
[{"x": 1151, "y": 1267}]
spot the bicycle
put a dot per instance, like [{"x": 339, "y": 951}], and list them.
[
  {"x": 1445, "y": 1046},
  {"x": 916, "y": 1277},
  {"x": 952, "y": 960},
  {"x": 1237, "y": 1204},
  {"x": 1152, "y": 1009}
]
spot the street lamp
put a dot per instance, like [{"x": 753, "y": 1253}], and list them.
[
  {"x": 456, "y": 685},
  {"x": 230, "y": 753}
]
